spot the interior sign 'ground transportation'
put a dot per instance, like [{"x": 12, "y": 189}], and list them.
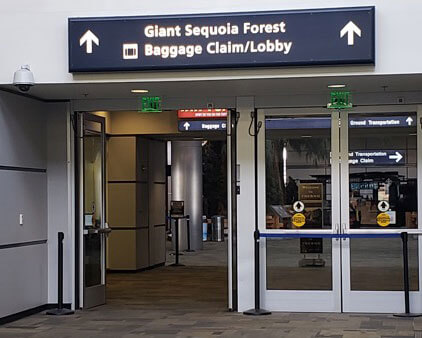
[
  {"x": 382, "y": 121},
  {"x": 252, "y": 39},
  {"x": 376, "y": 157}
]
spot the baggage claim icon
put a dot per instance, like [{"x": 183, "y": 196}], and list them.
[{"x": 298, "y": 219}]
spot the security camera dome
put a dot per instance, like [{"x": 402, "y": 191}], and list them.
[{"x": 23, "y": 78}]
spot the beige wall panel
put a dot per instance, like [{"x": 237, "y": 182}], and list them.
[
  {"x": 121, "y": 158},
  {"x": 142, "y": 203},
  {"x": 122, "y": 204},
  {"x": 142, "y": 248},
  {"x": 133, "y": 122},
  {"x": 121, "y": 250}
]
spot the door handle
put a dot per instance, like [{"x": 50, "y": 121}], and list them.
[
  {"x": 343, "y": 230},
  {"x": 106, "y": 230},
  {"x": 337, "y": 230}
]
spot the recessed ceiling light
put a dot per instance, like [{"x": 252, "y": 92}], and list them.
[
  {"x": 336, "y": 86},
  {"x": 138, "y": 91}
]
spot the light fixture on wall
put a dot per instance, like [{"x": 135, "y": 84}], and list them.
[
  {"x": 139, "y": 91},
  {"x": 336, "y": 85}
]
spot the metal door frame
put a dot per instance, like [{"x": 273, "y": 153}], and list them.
[
  {"x": 375, "y": 301},
  {"x": 299, "y": 300},
  {"x": 342, "y": 185},
  {"x": 232, "y": 187},
  {"x": 81, "y": 296}
]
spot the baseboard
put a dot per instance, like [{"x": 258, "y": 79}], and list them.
[
  {"x": 137, "y": 270},
  {"x": 29, "y": 312}
]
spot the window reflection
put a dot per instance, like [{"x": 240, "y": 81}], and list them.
[{"x": 297, "y": 155}]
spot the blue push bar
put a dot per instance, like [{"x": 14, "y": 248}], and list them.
[{"x": 308, "y": 235}]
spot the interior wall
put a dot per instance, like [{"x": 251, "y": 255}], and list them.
[
  {"x": 395, "y": 22},
  {"x": 34, "y": 182},
  {"x": 60, "y": 198},
  {"x": 135, "y": 123},
  {"x": 136, "y": 202},
  {"x": 23, "y": 182}
]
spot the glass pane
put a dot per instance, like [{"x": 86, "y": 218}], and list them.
[
  {"x": 299, "y": 264},
  {"x": 382, "y": 171},
  {"x": 92, "y": 180},
  {"x": 93, "y": 203},
  {"x": 298, "y": 172},
  {"x": 377, "y": 264},
  {"x": 92, "y": 259}
]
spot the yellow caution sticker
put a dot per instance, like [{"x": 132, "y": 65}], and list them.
[
  {"x": 298, "y": 220},
  {"x": 383, "y": 219}
]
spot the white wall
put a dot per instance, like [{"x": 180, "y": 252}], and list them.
[
  {"x": 59, "y": 200},
  {"x": 39, "y": 36}
]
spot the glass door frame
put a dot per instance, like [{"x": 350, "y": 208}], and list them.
[
  {"x": 302, "y": 300},
  {"x": 93, "y": 295},
  {"x": 375, "y": 301}
]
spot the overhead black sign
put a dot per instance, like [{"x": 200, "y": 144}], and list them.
[
  {"x": 282, "y": 38},
  {"x": 204, "y": 125},
  {"x": 382, "y": 121},
  {"x": 298, "y": 123},
  {"x": 376, "y": 157}
]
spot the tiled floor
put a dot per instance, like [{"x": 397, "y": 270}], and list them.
[{"x": 191, "y": 302}]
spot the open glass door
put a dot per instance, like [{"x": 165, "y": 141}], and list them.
[
  {"x": 379, "y": 184},
  {"x": 302, "y": 199},
  {"x": 91, "y": 150}
]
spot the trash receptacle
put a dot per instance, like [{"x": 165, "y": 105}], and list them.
[
  {"x": 217, "y": 233},
  {"x": 204, "y": 229}
]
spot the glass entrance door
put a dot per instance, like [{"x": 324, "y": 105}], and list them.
[
  {"x": 302, "y": 200},
  {"x": 91, "y": 146},
  {"x": 379, "y": 196},
  {"x": 338, "y": 174}
]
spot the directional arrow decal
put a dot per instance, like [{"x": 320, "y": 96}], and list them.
[
  {"x": 383, "y": 206},
  {"x": 186, "y": 125},
  {"x": 88, "y": 38},
  {"x": 409, "y": 121},
  {"x": 350, "y": 29},
  {"x": 396, "y": 157}
]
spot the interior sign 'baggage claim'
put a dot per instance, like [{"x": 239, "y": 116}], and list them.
[{"x": 279, "y": 38}]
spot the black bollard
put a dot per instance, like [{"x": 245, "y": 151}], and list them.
[
  {"x": 404, "y": 237},
  {"x": 176, "y": 226},
  {"x": 60, "y": 311}
]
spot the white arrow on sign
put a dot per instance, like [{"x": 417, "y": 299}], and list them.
[
  {"x": 396, "y": 157},
  {"x": 409, "y": 120},
  {"x": 350, "y": 29},
  {"x": 186, "y": 125},
  {"x": 298, "y": 206},
  {"x": 88, "y": 38}
]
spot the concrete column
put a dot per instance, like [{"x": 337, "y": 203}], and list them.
[{"x": 186, "y": 185}]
